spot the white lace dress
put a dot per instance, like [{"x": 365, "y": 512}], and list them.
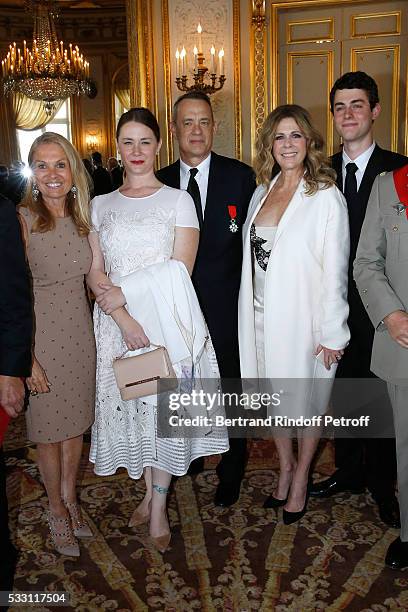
[{"x": 135, "y": 233}]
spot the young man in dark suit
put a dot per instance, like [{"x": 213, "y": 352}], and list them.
[
  {"x": 360, "y": 463},
  {"x": 15, "y": 354},
  {"x": 221, "y": 188}
]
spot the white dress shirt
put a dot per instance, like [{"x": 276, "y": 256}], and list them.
[
  {"x": 201, "y": 177},
  {"x": 361, "y": 162}
]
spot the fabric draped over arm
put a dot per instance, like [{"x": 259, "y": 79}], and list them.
[{"x": 161, "y": 298}]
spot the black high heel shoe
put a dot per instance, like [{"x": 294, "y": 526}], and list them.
[
  {"x": 292, "y": 517},
  {"x": 274, "y": 502}
]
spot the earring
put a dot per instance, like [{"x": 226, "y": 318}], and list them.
[
  {"x": 74, "y": 191},
  {"x": 35, "y": 192}
]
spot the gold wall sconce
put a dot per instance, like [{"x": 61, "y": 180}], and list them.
[{"x": 92, "y": 142}]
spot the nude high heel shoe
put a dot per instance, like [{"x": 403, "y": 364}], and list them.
[
  {"x": 161, "y": 543},
  {"x": 138, "y": 518},
  {"x": 80, "y": 527},
  {"x": 62, "y": 536}
]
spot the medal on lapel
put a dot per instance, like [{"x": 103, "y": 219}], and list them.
[
  {"x": 401, "y": 187},
  {"x": 232, "y": 211}
]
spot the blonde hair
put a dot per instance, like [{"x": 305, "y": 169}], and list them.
[
  {"x": 318, "y": 173},
  {"x": 77, "y": 207}
]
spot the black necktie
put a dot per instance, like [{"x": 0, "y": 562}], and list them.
[
  {"x": 355, "y": 210},
  {"x": 350, "y": 184},
  {"x": 194, "y": 191}
]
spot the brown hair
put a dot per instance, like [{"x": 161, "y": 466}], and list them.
[
  {"x": 77, "y": 208},
  {"x": 318, "y": 173},
  {"x": 191, "y": 95},
  {"x": 141, "y": 115}
]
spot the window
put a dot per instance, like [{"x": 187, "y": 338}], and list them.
[
  {"x": 60, "y": 124},
  {"x": 119, "y": 110}
]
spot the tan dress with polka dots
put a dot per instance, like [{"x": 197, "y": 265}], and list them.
[{"x": 64, "y": 340}]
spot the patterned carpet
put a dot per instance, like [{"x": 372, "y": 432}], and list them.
[{"x": 238, "y": 559}]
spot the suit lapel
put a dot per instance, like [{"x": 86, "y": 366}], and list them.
[
  {"x": 171, "y": 175},
  {"x": 213, "y": 189},
  {"x": 255, "y": 211},
  {"x": 337, "y": 165},
  {"x": 373, "y": 168},
  {"x": 291, "y": 209}
]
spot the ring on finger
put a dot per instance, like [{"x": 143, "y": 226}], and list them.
[{"x": 33, "y": 392}]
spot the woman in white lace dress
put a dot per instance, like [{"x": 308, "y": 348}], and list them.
[{"x": 143, "y": 230}]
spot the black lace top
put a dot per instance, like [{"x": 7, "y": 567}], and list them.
[{"x": 260, "y": 254}]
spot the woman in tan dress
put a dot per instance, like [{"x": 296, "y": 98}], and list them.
[{"x": 55, "y": 221}]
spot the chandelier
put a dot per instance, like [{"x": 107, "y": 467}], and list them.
[
  {"x": 48, "y": 72},
  {"x": 207, "y": 83}
]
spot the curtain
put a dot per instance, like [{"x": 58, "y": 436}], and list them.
[
  {"x": 17, "y": 112},
  {"x": 30, "y": 114},
  {"x": 123, "y": 96},
  {"x": 8, "y": 136},
  {"x": 121, "y": 86}
]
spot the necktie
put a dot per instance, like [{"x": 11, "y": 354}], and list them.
[
  {"x": 356, "y": 213},
  {"x": 194, "y": 191},
  {"x": 350, "y": 184}
]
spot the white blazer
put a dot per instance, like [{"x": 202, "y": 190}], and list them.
[{"x": 305, "y": 295}]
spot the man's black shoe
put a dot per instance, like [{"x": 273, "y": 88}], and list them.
[
  {"x": 332, "y": 486},
  {"x": 227, "y": 495},
  {"x": 397, "y": 555},
  {"x": 389, "y": 512}
]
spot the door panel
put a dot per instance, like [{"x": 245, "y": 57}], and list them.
[
  {"x": 318, "y": 43},
  {"x": 382, "y": 62},
  {"x": 301, "y": 91}
]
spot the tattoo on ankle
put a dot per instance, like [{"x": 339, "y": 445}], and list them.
[{"x": 160, "y": 489}]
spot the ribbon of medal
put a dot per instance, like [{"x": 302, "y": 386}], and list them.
[
  {"x": 232, "y": 211},
  {"x": 401, "y": 187}
]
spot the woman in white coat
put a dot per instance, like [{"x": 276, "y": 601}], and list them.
[{"x": 293, "y": 299}]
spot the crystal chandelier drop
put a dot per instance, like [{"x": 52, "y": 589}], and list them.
[{"x": 47, "y": 72}]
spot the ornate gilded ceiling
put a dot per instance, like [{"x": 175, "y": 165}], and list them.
[{"x": 72, "y": 4}]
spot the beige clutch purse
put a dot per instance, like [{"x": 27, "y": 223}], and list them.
[{"x": 139, "y": 375}]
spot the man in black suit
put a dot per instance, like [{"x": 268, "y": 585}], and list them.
[
  {"x": 116, "y": 173},
  {"x": 15, "y": 354},
  {"x": 16, "y": 182},
  {"x": 101, "y": 177},
  {"x": 221, "y": 188},
  {"x": 5, "y": 189},
  {"x": 354, "y": 103}
]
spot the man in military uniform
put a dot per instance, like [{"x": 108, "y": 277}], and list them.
[{"x": 380, "y": 271}]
